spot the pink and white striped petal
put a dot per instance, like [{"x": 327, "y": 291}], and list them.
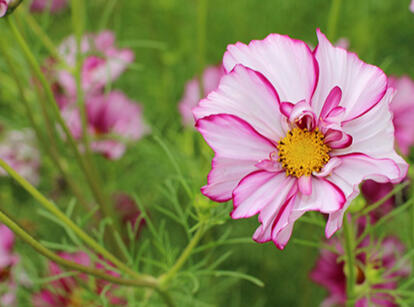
[
  {"x": 362, "y": 85},
  {"x": 238, "y": 148},
  {"x": 248, "y": 95},
  {"x": 287, "y": 63},
  {"x": 373, "y": 135},
  {"x": 256, "y": 191},
  {"x": 355, "y": 168}
]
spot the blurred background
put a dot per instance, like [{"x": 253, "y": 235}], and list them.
[{"x": 173, "y": 41}]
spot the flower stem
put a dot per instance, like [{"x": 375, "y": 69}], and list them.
[
  {"x": 49, "y": 149},
  {"x": 333, "y": 19},
  {"x": 350, "y": 261},
  {"x": 164, "y": 279},
  {"x": 83, "y": 163},
  {"x": 201, "y": 35},
  {"x": 148, "y": 281},
  {"x": 411, "y": 177},
  {"x": 67, "y": 221}
]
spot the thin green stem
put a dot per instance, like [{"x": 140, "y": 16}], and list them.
[
  {"x": 67, "y": 221},
  {"x": 49, "y": 149},
  {"x": 411, "y": 175},
  {"x": 148, "y": 281},
  {"x": 40, "y": 34},
  {"x": 202, "y": 38},
  {"x": 78, "y": 24},
  {"x": 164, "y": 279},
  {"x": 333, "y": 19},
  {"x": 85, "y": 166},
  {"x": 349, "y": 247},
  {"x": 375, "y": 205}
]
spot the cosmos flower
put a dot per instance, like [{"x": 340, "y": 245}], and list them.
[
  {"x": 113, "y": 120},
  {"x": 8, "y": 260},
  {"x": 50, "y": 5},
  {"x": 103, "y": 64},
  {"x": 192, "y": 94},
  {"x": 374, "y": 264},
  {"x": 18, "y": 149},
  {"x": 69, "y": 291},
  {"x": 296, "y": 131}
]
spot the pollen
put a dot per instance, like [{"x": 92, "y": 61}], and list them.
[{"x": 302, "y": 152}]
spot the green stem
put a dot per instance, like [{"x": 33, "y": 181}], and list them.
[
  {"x": 375, "y": 205},
  {"x": 85, "y": 166},
  {"x": 49, "y": 149},
  {"x": 78, "y": 24},
  {"x": 333, "y": 19},
  {"x": 202, "y": 37},
  {"x": 150, "y": 282},
  {"x": 164, "y": 279},
  {"x": 68, "y": 222},
  {"x": 411, "y": 176},
  {"x": 349, "y": 247},
  {"x": 37, "y": 29}
]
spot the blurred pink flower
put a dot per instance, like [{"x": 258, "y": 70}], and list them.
[
  {"x": 103, "y": 64},
  {"x": 343, "y": 42},
  {"x": 113, "y": 121},
  {"x": 402, "y": 107},
  {"x": 68, "y": 291},
  {"x": 49, "y": 5},
  {"x": 374, "y": 271},
  {"x": 4, "y": 4},
  {"x": 412, "y": 6},
  {"x": 373, "y": 192},
  {"x": 18, "y": 149},
  {"x": 296, "y": 131},
  {"x": 128, "y": 210},
  {"x": 8, "y": 260},
  {"x": 211, "y": 78}
]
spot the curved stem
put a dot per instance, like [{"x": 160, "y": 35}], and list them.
[
  {"x": 148, "y": 281},
  {"x": 350, "y": 261},
  {"x": 164, "y": 279},
  {"x": 68, "y": 222},
  {"x": 85, "y": 166},
  {"x": 49, "y": 149},
  {"x": 78, "y": 24}
]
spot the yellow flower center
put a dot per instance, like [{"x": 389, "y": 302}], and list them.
[{"x": 302, "y": 152}]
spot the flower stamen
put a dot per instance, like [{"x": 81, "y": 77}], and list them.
[{"x": 302, "y": 152}]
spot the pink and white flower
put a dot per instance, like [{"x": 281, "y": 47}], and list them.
[
  {"x": 103, "y": 64},
  {"x": 192, "y": 94},
  {"x": 8, "y": 260},
  {"x": 373, "y": 272},
  {"x": 296, "y": 131},
  {"x": 412, "y": 6},
  {"x": 4, "y": 5},
  {"x": 69, "y": 291},
  {"x": 113, "y": 121},
  {"x": 48, "y": 5},
  {"x": 19, "y": 151}
]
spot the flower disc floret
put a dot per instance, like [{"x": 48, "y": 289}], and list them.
[{"x": 302, "y": 152}]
